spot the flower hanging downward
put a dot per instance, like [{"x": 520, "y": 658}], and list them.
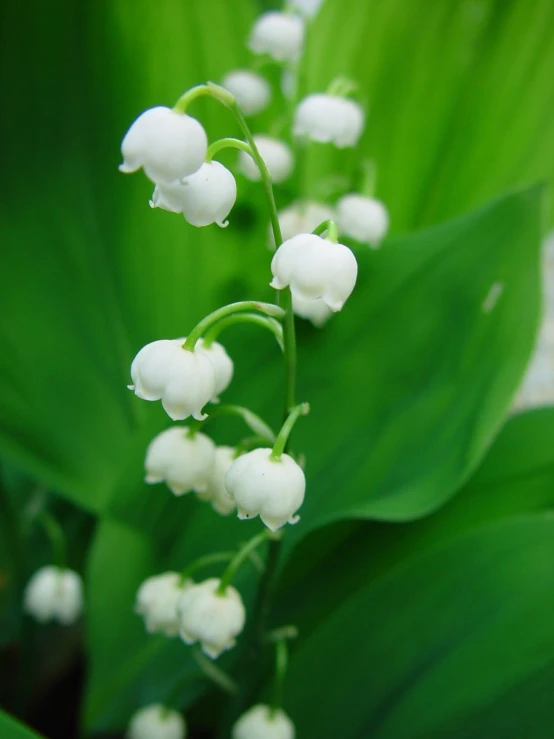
[
  {"x": 315, "y": 310},
  {"x": 222, "y": 364},
  {"x": 252, "y": 91},
  {"x": 362, "y": 218},
  {"x": 54, "y": 594},
  {"x": 260, "y": 722},
  {"x": 156, "y": 722},
  {"x": 214, "y": 619},
  {"x": 205, "y": 197},
  {"x": 329, "y": 119},
  {"x": 157, "y": 600},
  {"x": 279, "y": 35},
  {"x": 183, "y": 380},
  {"x": 181, "y": 460},
  {"x": 277, "y": 156},
  {"x": 271, "y": 488},
  {"x": 301, "y": 217},
  {"x": 167, "y": 144},
  {"x": 215, "y": 491},
  {"x": 315, "y": 267}
]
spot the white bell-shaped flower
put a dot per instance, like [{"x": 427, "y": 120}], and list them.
[
  {"x": 315, "y": 310},
  {"x": 300, "y": 218},
  {"x": 251, "y": 90},
  {"x": 329, "y": 119},
  {"x": 182, "y": 461},
  {"x": 222, "y": 364},
  {"x": 278, "y": 34},
  {"x": 362, "y": 218},
  {"x": 54, "y": 594},
  {"x": 315, "y": 267},
  {"x": 308, "y": 8},
  {"x": 156, "y": 602},
  {"x": 183, "y": 380},
  {"x": 211, "y": 618},
  {"x": 156, "y": 722},
  {"x": 216, "y": 491},
  {"x": 277, "y": 156},
  {"x": 260, "y": 722},
  {"x": 271, "y": 488},
  {"x": 205, "y": 197},
  {"x": 168, "y": 145}
]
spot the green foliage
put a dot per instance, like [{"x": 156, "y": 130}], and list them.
[{"x": 11, "y": 729}]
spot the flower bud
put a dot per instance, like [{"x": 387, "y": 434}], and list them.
[
  {"x": 168, "y": 145},
  {"x": 300, "y": 218},
  {"x": 315, "y": 267},
  {"x": 183, "y": 380},
  {"x": 157, "y": 722},
  {"x": 204, "y": 197},
  {"x": 157, "y": 600},
  {"x": 222, "y": 364},
  {"x": 362, "y": 218},
  {"x": 329, "y": 119},
  {"x": 259, "y": 722},
  {"x": 182, "y": 461},
  {"x": 215, "y": 490},
  {"x": 54, "y": 594},
  {"x": 271, "y": 488},
  {"x": 252, "y": 91},
  {"x": 279, "y": 35},
  {"x": 315, "y": 310},
  {"x": 277, "y": 156},
  {"x": 211, "y": 618}
]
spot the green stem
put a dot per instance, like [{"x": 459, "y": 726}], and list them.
[
  {"x": 201, "y": 562},
  {"x": 214, "y": 91},
  {"x": 206, "y": 323},
  {"x": 242, "y": 554},
  {"x": 271, "y": 324},
  {"x": 330, "y": 227},
  {"x": 281, "y": 663},
  {"x": 250, "y": 443},
  {"x": 283, "y": 436},
  {"x": 342, "y": 87},
  {"x": 215, "y": 673},
  {"x": 251, "y": 419},
  {"x": 369, "y": 178},
  {"x": 227, "y": 143},
  {"x": 55, "y": 535},
  {"x": 289, "y": 339}
]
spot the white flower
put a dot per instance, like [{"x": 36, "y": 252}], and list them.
[
  {"x": 315, "y": 267},
  {"x": 183, "y": 380},
  {"x": 315, "y": 310},
  {"x": 181, "y": 461},
  {"x": 271, "y": 488},
  {"x": 277, "y": 156},
  {"x": 157, "y": 600},
  {"x": 222, "y": 364},
  {"x": 362, "y": 218},
  {"x": 300, "y": 218},
  {"x": 329, "y": 118},
  {"x": 260, "y": 723},
  {"x": 252, "y": 91},
  {"x": 168, "y": 145},
  {"x": 204, "y": 197},
  {"x": 308, "y": 8},
  {"x": 279, "y": 35},
  {"x": 215, "y": 490},
  {"x": 54, "y": 594},
  {"x": 157, "y": 722},
  {"x": 212, "y": 619}
]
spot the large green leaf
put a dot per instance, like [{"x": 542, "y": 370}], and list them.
[
  {"x": 457, "y": 643},
  {"x": 12, "y": 729}
]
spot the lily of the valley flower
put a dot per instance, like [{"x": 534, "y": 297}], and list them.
[
  {"x": 205, "y": 197},
  {"x": 214, "y": 619},
  {"x": 271, "y": 488},
  {"x": 157, "y": 600},
  {"x": 315, "y": 267},
  {"x": 168, "y": 145},
  {"x": 278, "y": 34},
  {"x": 362, "y": 218},
  {"x": 329, "y": 119},
  {"x": 215, "y": 491},
  {"x": 275, "y": 153},
  {"x": 54, "y": 594},
  {"x": 222, "y": 364},
  {"x": 315, "y": 310},
  {"x": 260, "y": 722},
  {"x": 308, "y": 8},
  {"x": 156, "y": 722},
  {"x": 183, "y": 380},
  {"x": 182, "y": 461},
  {"x": 251, "y": 91},
  {"x": 301, "y": 218}
]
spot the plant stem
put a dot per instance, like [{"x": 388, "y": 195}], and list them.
[
  {"x": 284, "y": 433},
  {"x": 244, "y": 305},
  {"x": 281, "y": 663},
  {"x": 242, "y": 554},
  {"x": 205, "y": 561},
  {"x": 227, "y": 143},
  {"x": 271, "y": 324},
  {"x": 215, "y": 673},
  {"x": 251, "y": 419},
  {"x": 55, "y": 535},
  {"x": 330, "y": 227}
]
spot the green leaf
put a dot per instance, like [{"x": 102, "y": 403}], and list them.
[
  {"x": 457, "y": 643},
  {"x": 12, "y": 729}
]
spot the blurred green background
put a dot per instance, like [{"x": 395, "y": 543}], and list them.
[{"x": 422, "y": 572}]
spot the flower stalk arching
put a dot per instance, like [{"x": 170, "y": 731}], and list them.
[
  {"x": 243, "y": 554},
  {"x": 281, "y": 664},
  {"x": 227, "y": 143},
  {"x": 330, "y": 227},
  {"x": 215, "y": 673},
  {"x": 251, "y": 419},
  {"x": 342, "y": 87},
  {"x": 205, "y": 561},
  {"x": 271, "y": 324},
  {"x": 283, "y": 436},
  {"x": 206, "y": 323}
]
